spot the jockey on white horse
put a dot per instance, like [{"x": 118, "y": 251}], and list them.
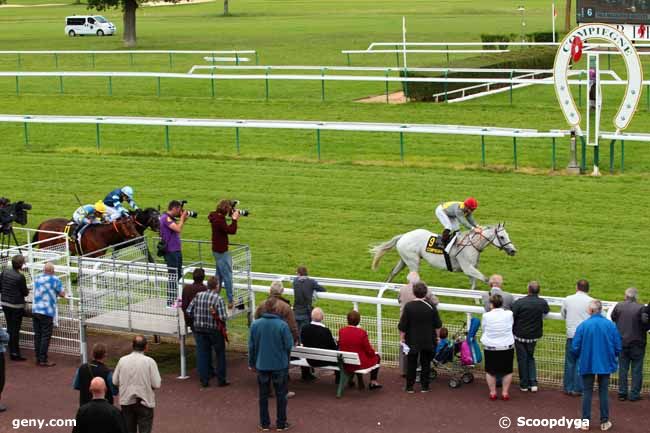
[{"x": 453, "y": 213}]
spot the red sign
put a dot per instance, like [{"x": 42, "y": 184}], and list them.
[{"x": 576, "y": 49}]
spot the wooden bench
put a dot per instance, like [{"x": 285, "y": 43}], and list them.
[{"x": 335, "y": 357}]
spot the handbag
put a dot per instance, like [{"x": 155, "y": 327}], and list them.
[{"x": 221, "y": 326}]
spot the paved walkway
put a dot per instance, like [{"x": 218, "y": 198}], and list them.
[{"x": 183, "y": 406}]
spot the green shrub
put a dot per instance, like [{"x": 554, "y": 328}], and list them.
[
  {"x": 495, "y": 38},
  {"x": 542, "y": 37},
  {"x": 529, "y": 58}
]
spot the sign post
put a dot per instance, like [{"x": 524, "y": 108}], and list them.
[
  {"x": 571, "y": 49},
  {"x": 594, "y": 104}
]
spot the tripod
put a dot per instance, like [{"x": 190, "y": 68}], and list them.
[{"x": 5, "y": 240}]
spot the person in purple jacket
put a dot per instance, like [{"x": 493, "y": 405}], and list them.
[{"x": 171, "y": 225}]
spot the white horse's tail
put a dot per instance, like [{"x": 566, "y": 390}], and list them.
[{"x": 379, "y": 250}]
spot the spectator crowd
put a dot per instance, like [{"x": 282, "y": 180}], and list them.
[{"x": 596, "y": 345}]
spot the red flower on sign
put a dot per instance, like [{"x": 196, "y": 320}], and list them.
[{"x": 576, "y": 49}]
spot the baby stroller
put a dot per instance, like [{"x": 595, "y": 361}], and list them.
[{"x": 458, "y": 357}]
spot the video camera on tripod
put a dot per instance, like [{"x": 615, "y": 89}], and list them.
[{"x": 10, "y": 213}]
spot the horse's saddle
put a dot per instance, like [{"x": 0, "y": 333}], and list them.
[
  {"x": 435, "y": 246},
  {"x": 70, "y": 229},
  {"x": 75, "y": 233}
]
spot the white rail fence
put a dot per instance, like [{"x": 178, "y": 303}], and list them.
[
  {"x": 518, "y": 78},
  {"x": 20, "y": 54},
  {"x": 320, "y": 77},
  {"x": 382, "y": 328}
]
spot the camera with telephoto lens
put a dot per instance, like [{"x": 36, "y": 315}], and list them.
[
  {"x": 12, "y": 212},
  {"x": 242, "y": 212},
  {"x": 190, "y": 213}
]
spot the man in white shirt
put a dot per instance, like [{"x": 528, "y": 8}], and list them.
[
  {"x": 137, "y": 376},
  {"x": 574, "y": 311}
]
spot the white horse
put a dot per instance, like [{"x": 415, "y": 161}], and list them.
[{"x": 463, "y": 255}]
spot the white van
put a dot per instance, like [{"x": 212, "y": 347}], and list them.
[{"x": 88, "y": 25}]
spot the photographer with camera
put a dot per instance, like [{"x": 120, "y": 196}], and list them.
[
  {"x": 220, "y": 231},
  {"x": 171, "y": 225}
]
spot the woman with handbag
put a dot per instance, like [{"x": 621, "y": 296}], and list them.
[{"x": 13, "y": 290}]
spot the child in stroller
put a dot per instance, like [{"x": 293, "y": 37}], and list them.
[{"x": 450, "y": 360}]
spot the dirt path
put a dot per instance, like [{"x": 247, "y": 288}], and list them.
[{"x": 393, "y": 98}]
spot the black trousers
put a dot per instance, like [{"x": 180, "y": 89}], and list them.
[
  {"x": 43, "y": 326},
  {"x": 424, "y": 356},
  {"x": 14, "y": 317},
  {"x": 139, "y": 418}
]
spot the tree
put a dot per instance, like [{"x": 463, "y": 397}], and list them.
[
  {"x": 128, "y": 8},
  {"x": 567, "y": 16},
  {"x": 225, "y": 7}
]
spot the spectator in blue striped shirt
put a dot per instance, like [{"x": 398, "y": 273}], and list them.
[
  {"x": 208, "y": 313},
  {"x": 47, "y": 287}
]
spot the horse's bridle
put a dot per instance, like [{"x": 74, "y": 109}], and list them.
[
  {"x": 147, "y": 223},
  {"x": 470, "y": 238}
]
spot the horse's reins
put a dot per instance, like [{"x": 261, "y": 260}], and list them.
[
  {"x": 501, "y": 245},
  {"x": 469, "y": 237},
  {"x": 118, "y": 230}
]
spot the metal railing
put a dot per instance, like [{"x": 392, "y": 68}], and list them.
[{"x": 93, "y": 53}]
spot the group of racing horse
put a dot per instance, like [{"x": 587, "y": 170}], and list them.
[
  {"x": 94, "y": 227},
  {"x": 108, "y": 222}
]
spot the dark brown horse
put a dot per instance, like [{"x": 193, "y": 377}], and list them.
[
  {"x": 148, "y": 218},
  {"x": 95, "y": 238}
]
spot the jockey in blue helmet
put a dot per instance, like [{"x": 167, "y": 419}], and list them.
[{"x": 113, "y": 202}]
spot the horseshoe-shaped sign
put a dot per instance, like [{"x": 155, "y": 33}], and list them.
[{"x": 632, "y": 63}]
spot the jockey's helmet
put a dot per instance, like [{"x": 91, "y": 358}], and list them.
[
  {"x": 100, "y": 207},
  {"x": 128, "y": 191},
  {"x": 471, "y": 203}
]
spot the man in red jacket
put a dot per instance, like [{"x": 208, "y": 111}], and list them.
[{"x": 220, "y": 231}]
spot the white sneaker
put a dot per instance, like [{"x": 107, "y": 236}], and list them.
[
  {"x": 533, "y": 389},
  {"x": 606, "y": 425},
  {"x": 523, "y": 389}
]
